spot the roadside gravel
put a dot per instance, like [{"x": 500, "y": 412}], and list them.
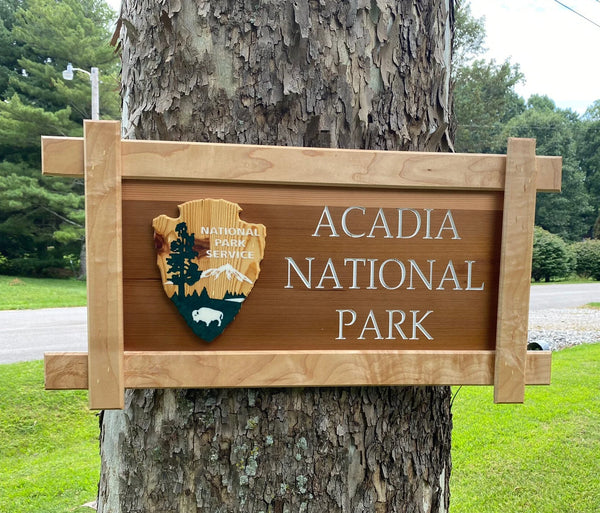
[{"x": 566, "y": 327}]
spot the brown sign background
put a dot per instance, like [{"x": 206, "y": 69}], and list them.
[{"x": 282, "y": 313}]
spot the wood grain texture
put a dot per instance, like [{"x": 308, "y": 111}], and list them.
[
  {"x": 295, "y": 368},
  {"x": 63, "y": 156},
  {"x": 319, "y": 166},
  {"x": 515, "y": 271},
  {"x": 103, "y": 208},
  {"x": 141, "y": 180},
  {"x": 248, "y": 247},
  {"x": 276, "y": 316}
]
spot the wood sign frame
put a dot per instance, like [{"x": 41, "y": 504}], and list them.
[{"x": 109, "y": 164}]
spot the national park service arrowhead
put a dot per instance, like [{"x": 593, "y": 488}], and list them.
[{"x": 209, "y": 260}]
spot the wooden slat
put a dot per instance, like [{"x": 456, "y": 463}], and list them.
[
  {"x": 271, "y": 164},
  {"x": 515, "y": 271},
  {"x": 549, "y": 174},
  {"x": 295, "y": 368},
  {"x": 66, "y": 371},
  {"x": 63, "y": 156},
  {"x": 103, "y": 202}
]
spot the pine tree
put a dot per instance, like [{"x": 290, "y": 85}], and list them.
[{"x": 41, "y": 221}]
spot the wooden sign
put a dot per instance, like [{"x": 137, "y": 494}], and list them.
[{"x": 213, "y": 265}]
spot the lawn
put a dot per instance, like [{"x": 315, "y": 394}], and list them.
[
  {"x": 49, "y": 458},
  {"x": 28, "y": 293},
  {"x": 540, "y": 457}
]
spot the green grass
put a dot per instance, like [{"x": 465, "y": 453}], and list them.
[
  {"x": 592, "y": 305},
  {"x": 31, "y": 293},
  {"x": 49, "y": 458},
  {"x": 539, "y": 457}
]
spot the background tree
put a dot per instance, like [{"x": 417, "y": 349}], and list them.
[
  {"x": 568, "y": 214},
  {"x": 10, "y": 50},
  {"x": 340, "y": 74},
  {"x": 485, "y": 100},
  {"x": 41, "y": 220},
  {"x": 588, "y": 151},
  {"x": 469, "y": 37},
  {"x": 484, "y": 91},
  {"x": 488, "y": 110}
]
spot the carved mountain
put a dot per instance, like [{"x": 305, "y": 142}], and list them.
[{"x": 229, "y": 271}]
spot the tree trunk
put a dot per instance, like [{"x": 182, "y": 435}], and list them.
[{"x": 352, "y": 74}]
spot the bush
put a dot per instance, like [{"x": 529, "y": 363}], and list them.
[
  {"x": 37, "y": 267},
  {"x": 587, "y": 258},
  {"x": 552, "y": 257}
]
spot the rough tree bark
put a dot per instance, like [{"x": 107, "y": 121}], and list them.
[{"x": 352, "y": 74}]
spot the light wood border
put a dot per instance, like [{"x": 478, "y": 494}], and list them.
[
  {"x": 106, "y": 160},
  {"x": 103, "y": 204},
  {"x": 515, "y": 271},
  {"x": 149, "y": 369},
  {"x": 63, "y": 156}
]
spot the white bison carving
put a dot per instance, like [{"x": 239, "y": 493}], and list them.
[{"x": 207, "y": 315}]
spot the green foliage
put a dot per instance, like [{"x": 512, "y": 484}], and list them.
[
  {"x": 41, "y": 219},
  {"x": 9, "y": 49},
  {"x": 67, "y": 30},
  {"x": 484, "y": 95},
  {"x": 32, "y": 293},
  {"x": 587, "y": 258},
  {"x": 588, "y": 150},
  {"x": 484, "y": 101},
  {"x": 568, "y": 214},
  {"x": 469, "y": 36},
  {"x": 49, "y": 460},
  {"x": 488, "y": 111},
  {"x": 539, "y": 457},
  {"x": 22, "y": 126},
  {"x": 552, "y": 257}
]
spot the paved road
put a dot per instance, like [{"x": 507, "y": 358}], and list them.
[
  {"x": 28, "y": 334},
  {"x": 563, "y": 296}
]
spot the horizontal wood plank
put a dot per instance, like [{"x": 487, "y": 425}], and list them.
[
  {"x": 288, "y": 165},
  {"x": 295, "y": 368},
  {"x": 63, "y": 156}
]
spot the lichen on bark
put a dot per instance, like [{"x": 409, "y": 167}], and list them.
[{"x": 351, "y": 450}]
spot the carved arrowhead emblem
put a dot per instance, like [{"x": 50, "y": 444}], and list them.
[{"x": 209, "y": 260}]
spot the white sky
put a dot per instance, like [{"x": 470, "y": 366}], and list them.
[{"x": 558, "y": 51}]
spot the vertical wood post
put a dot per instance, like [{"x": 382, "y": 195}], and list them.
[
  {"x": 515, "y": 271},
  {"x": 103, "y": 227}
]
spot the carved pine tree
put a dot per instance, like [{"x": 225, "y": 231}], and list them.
[
  {"x": 352, "y": 74},
  {"x": 182, "y": 270}
]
